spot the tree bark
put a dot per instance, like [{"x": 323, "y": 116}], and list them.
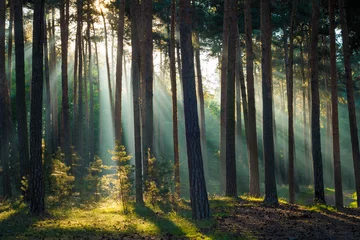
[
  {"x": 231, "y": 187},
  {"x": 269, "y": 157},
  {"x": 174, "y": 100},
  {"x": 315, "y": 107},
  {"x": 350, "y": 98},
  {"x": 200, "y": 92},
  {"x": 37, "y": 204},
  {"x": 80, "y": 115},
  {"x": 135, "y": 69},
  {"x": 334, "y": 105},
  {"x": 119, "y": 57},
  {"x": 4, "y": 113},
  {"x": 290, "y": 98},
  {"x": 91, "y": 85},
  {"x": 198, "y": 194},
  {"x": 147, "y": 77},
  {"x": 64, "y": 25},
  {"x": 224, "y": 67},
  {"x": 253, "y": 158},
  {"x": 21, "y": 113}
]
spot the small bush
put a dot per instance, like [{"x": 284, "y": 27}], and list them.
[
  {"x": 124, "y": 172},
  {"x": 160, "y": 181},
  {"x": 93, "y": 178},
  {"x": 62, "y": 182}
]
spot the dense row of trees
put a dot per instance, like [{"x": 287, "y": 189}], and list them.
[{"x": 182, "y": 30}]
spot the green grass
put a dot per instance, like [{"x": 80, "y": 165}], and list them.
[{"x": 105, "y": 219}]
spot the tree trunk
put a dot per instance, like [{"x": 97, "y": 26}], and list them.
[
  {"x": 147, "y": 77},
  {"x": 334, "y": 105},
  {"x": 290, "y": 97},
  {"x": 80, "y": 117},
  {"x": 174, "y": 100},
  {"x": 21, "y": 113},
  {"x": 253, "y": 158},
  {"x": 86, "y": 108},
  {"x": 91, "y": 85},
  {"x": 350, "y": 98},
  {"x": 4, "y": 128},
  {"x": 200, "y": 92},
  {"x": 48, "y": 127},
  {"x": 198, "y": 193},
  {"x": 135, "y": 68},
  {"x": 75, "y": 88},
  {"x": 231, "y": 187},
  {"x": 119, "y": 57},
  {"x": 315, "y": 107},
  {"x": 269, "y": 157},
  {"x": 37, "y": 204},
  {"x": 64, "y": 25},
  {"x": 224, "y": 67}
]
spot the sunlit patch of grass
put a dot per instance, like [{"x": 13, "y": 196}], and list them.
[
  {"x": 353, "y": 204},
  {"x": 320, "y": 208},
  {"x": 329, "y": 190},
  {"x": 283, "y": 201},
  {"x": 252, "y": 198}
]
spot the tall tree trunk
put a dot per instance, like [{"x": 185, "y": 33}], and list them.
[
  {"x": 231, "y": 187},
  {"x": 4, "y": 113},
  {"x": 334, "y": 105},
  {"x": 350, "y": 98},
  {"x": 119, "y": 61},
  {"x": 315, "y": 107},
  {"x": 80, "y": 117},
  {"x": 91, "y": 85},
  {"x": 86, "y": 107},
  {"x": 48, "y": 127},
  {"x": 75, "y": 88},
  {"x": 21, "y": 113},
  {"x": 174, "y": 99},
  {"x": 269, "y": 157},
  {"x": 147, "y": 78},
  {"x": 253, "y": 158},
  {"x": 200, "y": 92},
  {"x": 37, "y": 194},
  {"x": 135, "y": 69},
  {"x": 198, "y": 194},
  {"x": 64, "y": 25},
  {"x": 224, "y": 67},
  {"x": 290, "y": 97},
  {"x": 111, "y": 98}
]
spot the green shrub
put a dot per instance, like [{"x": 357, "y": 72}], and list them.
[
  {"x": 160, "y": 181},
  {"x": 93, "y": 178},
  {"x": 62, "y": 182},
  {"x": 124, "y": 172}
]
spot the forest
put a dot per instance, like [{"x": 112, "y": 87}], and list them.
[{"x": 179, "y": 119}]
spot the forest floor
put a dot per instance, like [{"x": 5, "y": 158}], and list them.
[{"x": 243, "y": 218}]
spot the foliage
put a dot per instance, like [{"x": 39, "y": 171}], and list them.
[
  {"x": 62, "y": 182},
  {"x": 124, "y": 172},
  {"x": 93, "y": 177},
  {"x": 160, "y": 181}
]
